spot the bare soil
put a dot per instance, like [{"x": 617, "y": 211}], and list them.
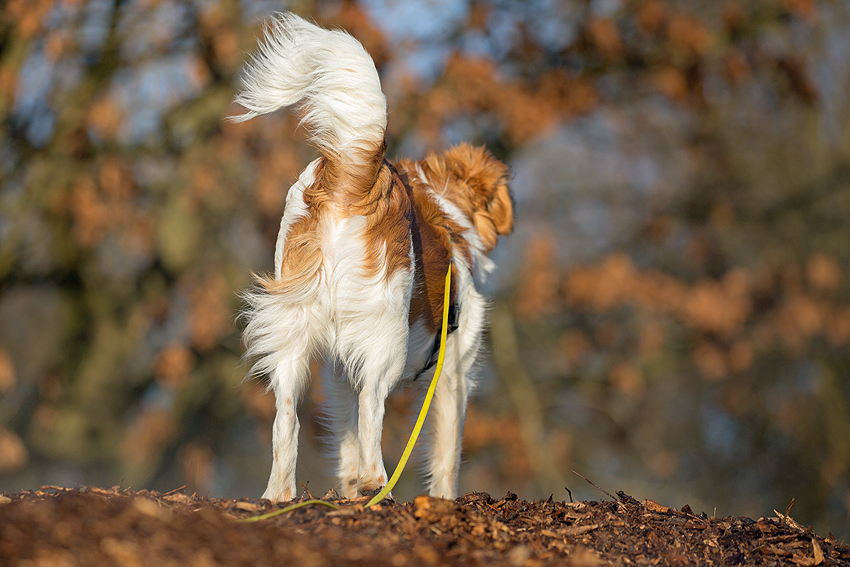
[{"x": 92, "y": 526}]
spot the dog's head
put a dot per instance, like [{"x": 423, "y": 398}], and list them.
[{"x": 476, "y": 183}]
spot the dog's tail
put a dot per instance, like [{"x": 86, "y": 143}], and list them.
[{"x": 335, "y": 79}]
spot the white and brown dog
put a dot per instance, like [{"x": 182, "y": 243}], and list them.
[{"x": 360, "y": 262}]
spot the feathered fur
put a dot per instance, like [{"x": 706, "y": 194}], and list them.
[{"x": 360, "y": 259}]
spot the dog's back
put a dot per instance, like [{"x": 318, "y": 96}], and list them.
[{"x": 361, "y": 252}]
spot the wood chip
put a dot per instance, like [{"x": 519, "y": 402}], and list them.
[
  {"x": 654, "y": 506},
  {"x": 817, "y": 551},
  {"x": 579, "y": 530}
]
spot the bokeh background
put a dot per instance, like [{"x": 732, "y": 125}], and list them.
[{"x": 671, "y": 317}]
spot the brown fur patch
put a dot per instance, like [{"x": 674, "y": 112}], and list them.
[
  {"x": 401, "y": 211},
  {"x": 477, "y": 183},
  {"x": 390, "y": 218},
  {"x": 361, "y": 186},
  {"x": 302, "y": 257},
  {"x": 348, "y": 188}
]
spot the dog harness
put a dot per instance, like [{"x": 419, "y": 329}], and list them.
[{"x": 454, "y": 315}]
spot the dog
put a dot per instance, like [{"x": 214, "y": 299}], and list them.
[{"x": 360, "y": 261}]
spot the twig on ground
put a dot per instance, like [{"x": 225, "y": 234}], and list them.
[
  {"x": 790, "y": 505},
  {"x": 605, "y": 492},
  {"x": 304, "y": 485}
]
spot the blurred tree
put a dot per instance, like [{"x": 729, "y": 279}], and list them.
[{"x": 676, "y": 295}]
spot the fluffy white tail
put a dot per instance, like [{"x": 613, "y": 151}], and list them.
[{"x": 344, "y": 108}]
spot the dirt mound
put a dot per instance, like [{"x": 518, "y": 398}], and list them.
[{"x": 56, "y": 526}]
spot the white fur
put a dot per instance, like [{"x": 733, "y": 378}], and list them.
[
  {"x": 295, "y": 209},
  {"x": 326, "y": 69},
  {"x": 358, "y": 322}
]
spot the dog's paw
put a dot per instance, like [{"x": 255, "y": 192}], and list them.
[
  {"x": 348, "y": 488},
  {"x": 279, "y": 491},
  {"x": 278, "y": 495},
  {"x": 369, "y": 489}
]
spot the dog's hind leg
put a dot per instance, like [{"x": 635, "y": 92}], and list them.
[
  {"x": 370, "y": 342},
  {"x": 278, "y": 339},
  {"x": 342, "y": 414},
  {"x": 288, "y": 382},
  {"x": 372, "y": 475},
  {"x": 381, "y": 370}
]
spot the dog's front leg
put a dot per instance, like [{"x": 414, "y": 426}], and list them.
[
  {"x": 444, "y": 426},
  {"x": 288, "y": 382}
]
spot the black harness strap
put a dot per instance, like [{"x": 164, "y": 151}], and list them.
[{"x": 454, "y": 315}]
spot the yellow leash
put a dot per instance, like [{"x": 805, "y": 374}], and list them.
[
  {"x": 417, "y": 428},
  {"x": 288, "y": 509}
]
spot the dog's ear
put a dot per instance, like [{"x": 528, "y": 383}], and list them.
[
  {"x": 496, "y": 217},
  {"x": 501, "y": 209},
  {"x": 490, "y": 180}
]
